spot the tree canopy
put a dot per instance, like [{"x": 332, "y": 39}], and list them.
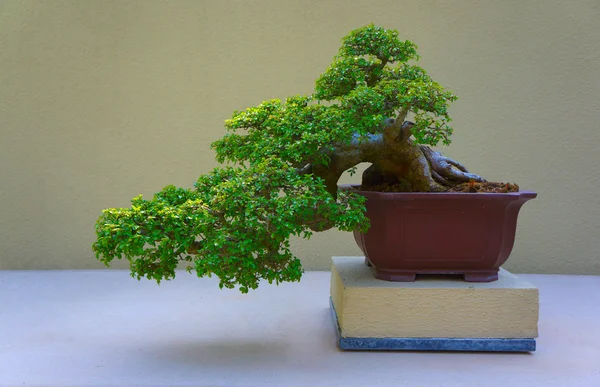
[{"x": 236, "y": 222}]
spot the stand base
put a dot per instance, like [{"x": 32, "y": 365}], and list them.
[
  {"x": 434, "y": 313},
  {"x": 429, "y": 343}
]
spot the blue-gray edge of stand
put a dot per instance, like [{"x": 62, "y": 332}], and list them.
[{"x": 429, "y": 343}]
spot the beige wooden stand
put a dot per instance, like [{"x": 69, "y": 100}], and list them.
[{"x": 433, "y": 307}]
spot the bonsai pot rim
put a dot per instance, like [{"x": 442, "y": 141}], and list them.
[{"x": 524, "y": 194}]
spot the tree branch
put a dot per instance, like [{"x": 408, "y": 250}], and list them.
[{"x": 393, "y": 130}]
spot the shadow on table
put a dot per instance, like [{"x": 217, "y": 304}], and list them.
[
  {"x": 226, "y": 352},
  {"x": 304, "y": 340}
]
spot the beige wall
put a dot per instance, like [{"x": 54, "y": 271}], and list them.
[{"x": 103, "y": 100}]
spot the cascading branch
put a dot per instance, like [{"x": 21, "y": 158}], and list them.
[{"x": 287, "y": 158}]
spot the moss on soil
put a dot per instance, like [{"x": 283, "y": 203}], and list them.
[{"x": 468, "y": 187}]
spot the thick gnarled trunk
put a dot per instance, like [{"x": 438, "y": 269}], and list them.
[{"x": 396, "y": 160}]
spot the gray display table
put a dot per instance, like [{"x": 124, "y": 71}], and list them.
[{"x": 100, "y": 328}]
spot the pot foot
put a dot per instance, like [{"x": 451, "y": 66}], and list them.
[
  {"x": 488, "y": 276},
  {"x": 397, "y": 277}
]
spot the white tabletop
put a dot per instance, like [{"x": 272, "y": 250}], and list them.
[{"x": 84, "y": 328}]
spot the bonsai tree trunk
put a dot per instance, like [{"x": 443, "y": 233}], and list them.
[{"x": 396, "y": 160}]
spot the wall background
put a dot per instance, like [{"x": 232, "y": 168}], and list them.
[{"x": 101, "y": 101}]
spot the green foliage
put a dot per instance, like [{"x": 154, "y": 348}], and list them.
[
  {"x": 235, "y": 224},
  {"x": 370, "y": 79},
  {"x": 237, "y": 220},
  {"x": 294, "y": 131},
  {"x": 379, "y": 43}
]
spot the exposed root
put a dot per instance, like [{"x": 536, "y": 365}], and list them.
[
  {"x": 445, "y": 171},
  {"x": 439, "y": 178}
]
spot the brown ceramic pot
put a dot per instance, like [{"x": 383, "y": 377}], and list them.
[{"x": 471, "y": 234}]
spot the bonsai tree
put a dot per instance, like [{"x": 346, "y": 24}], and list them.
[{"x": 284, "y": 162}]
